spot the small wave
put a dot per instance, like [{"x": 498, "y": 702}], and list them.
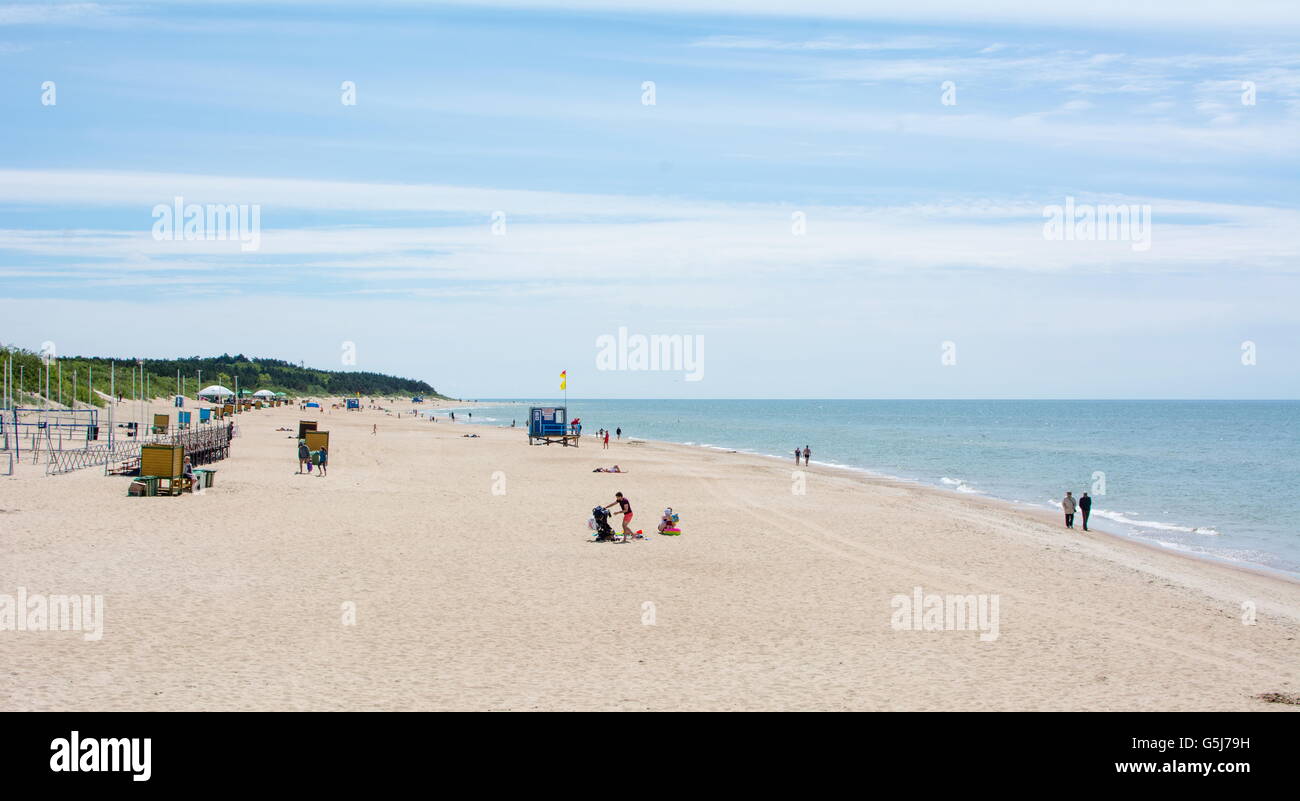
[
  {"x": 960, "y": 485},
  {"x": 1120, "y": 517}
]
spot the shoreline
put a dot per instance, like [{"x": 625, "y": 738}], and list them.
[
  {"x": 1042, "y": 513},
  {"x": 1042, "y": 516}
]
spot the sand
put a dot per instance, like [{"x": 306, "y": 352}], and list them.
[{"x": 474, "y": 586}]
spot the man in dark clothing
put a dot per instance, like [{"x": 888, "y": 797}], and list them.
[
  {"x": 1085, "y": 507},
  {"x": 625, "y": 508}
]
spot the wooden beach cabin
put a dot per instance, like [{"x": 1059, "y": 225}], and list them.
[
  {"x": 304, "y": 426},
  {"x": 547, "y": 424},
  {"x": 166, "y": 463},
  {"x": 317, "y": 440},
  {"x": 160, "y": 423}
]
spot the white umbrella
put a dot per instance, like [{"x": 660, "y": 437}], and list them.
[
  {"x": 215, "y": 391},
  {"x": 264, "y": 393}
]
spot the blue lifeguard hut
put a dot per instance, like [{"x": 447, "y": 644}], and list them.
[{"x": 547, "y": 424}]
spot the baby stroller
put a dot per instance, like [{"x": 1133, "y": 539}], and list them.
[{"x": 599, "y": 522}]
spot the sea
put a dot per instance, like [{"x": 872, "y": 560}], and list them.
[{"x": 1211, "y": 478}]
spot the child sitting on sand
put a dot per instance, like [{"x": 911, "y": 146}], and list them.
[{"x": 668, "y": 523}]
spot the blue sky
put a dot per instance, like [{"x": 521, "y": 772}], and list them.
[{"x": 922, "y": 221}]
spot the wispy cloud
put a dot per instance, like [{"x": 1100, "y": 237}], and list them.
[
  {"x": 575, "y": 240},
  {"x": 53, "y": 13}
]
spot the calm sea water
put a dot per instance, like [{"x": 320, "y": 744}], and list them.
[{"x": 1216, "y": 478}]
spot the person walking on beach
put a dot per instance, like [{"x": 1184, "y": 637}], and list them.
[
  {"x": 618, "y": 433},
  {"x": 1067, "y": 504},
  {"x": 303, "y": 454},
  {"x": 606, "y": 441},
  {"x": 324, "y": 459},
  {"x": 374, "y": 428},
  {"x": 1085, "y": 508},
  {"x": 796, "y": 457},
  {"x": 625, "y": 509},
  {"x": 807, "y": 454}
]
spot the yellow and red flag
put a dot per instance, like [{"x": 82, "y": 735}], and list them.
[{"x": 564, "y": 379}]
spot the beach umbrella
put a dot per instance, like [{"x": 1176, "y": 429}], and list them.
[
  {"x": 215, "y": 391},
  {"x": 264, "y": 393}
]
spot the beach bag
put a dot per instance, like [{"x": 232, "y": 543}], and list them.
[
  {"x": 315, "y": 457},
  {"x": 309, "y": 467}
]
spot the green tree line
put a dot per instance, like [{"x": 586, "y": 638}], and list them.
[{"x": 70, "y": 378}]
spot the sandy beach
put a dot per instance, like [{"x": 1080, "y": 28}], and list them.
[{"x": 474, "y": 586}]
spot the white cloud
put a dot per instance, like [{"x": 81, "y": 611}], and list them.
[
  {"x": 584, "y": 241},
  {"x": 50, "y": 13},
  {"x": 1108, "y": 14}
]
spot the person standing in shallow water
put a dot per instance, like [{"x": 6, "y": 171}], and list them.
[
  {"x": 1085, "y": 509},
  {"x": 796, "y": 457},
  {"x": 1067, "y": 505},
  {"x": 807, "y": 454}
]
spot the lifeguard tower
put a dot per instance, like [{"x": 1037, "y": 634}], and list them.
[{"x": 547, "y": 424}]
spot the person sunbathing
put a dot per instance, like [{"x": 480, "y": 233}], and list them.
[{"x": 614, "y": 469}]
